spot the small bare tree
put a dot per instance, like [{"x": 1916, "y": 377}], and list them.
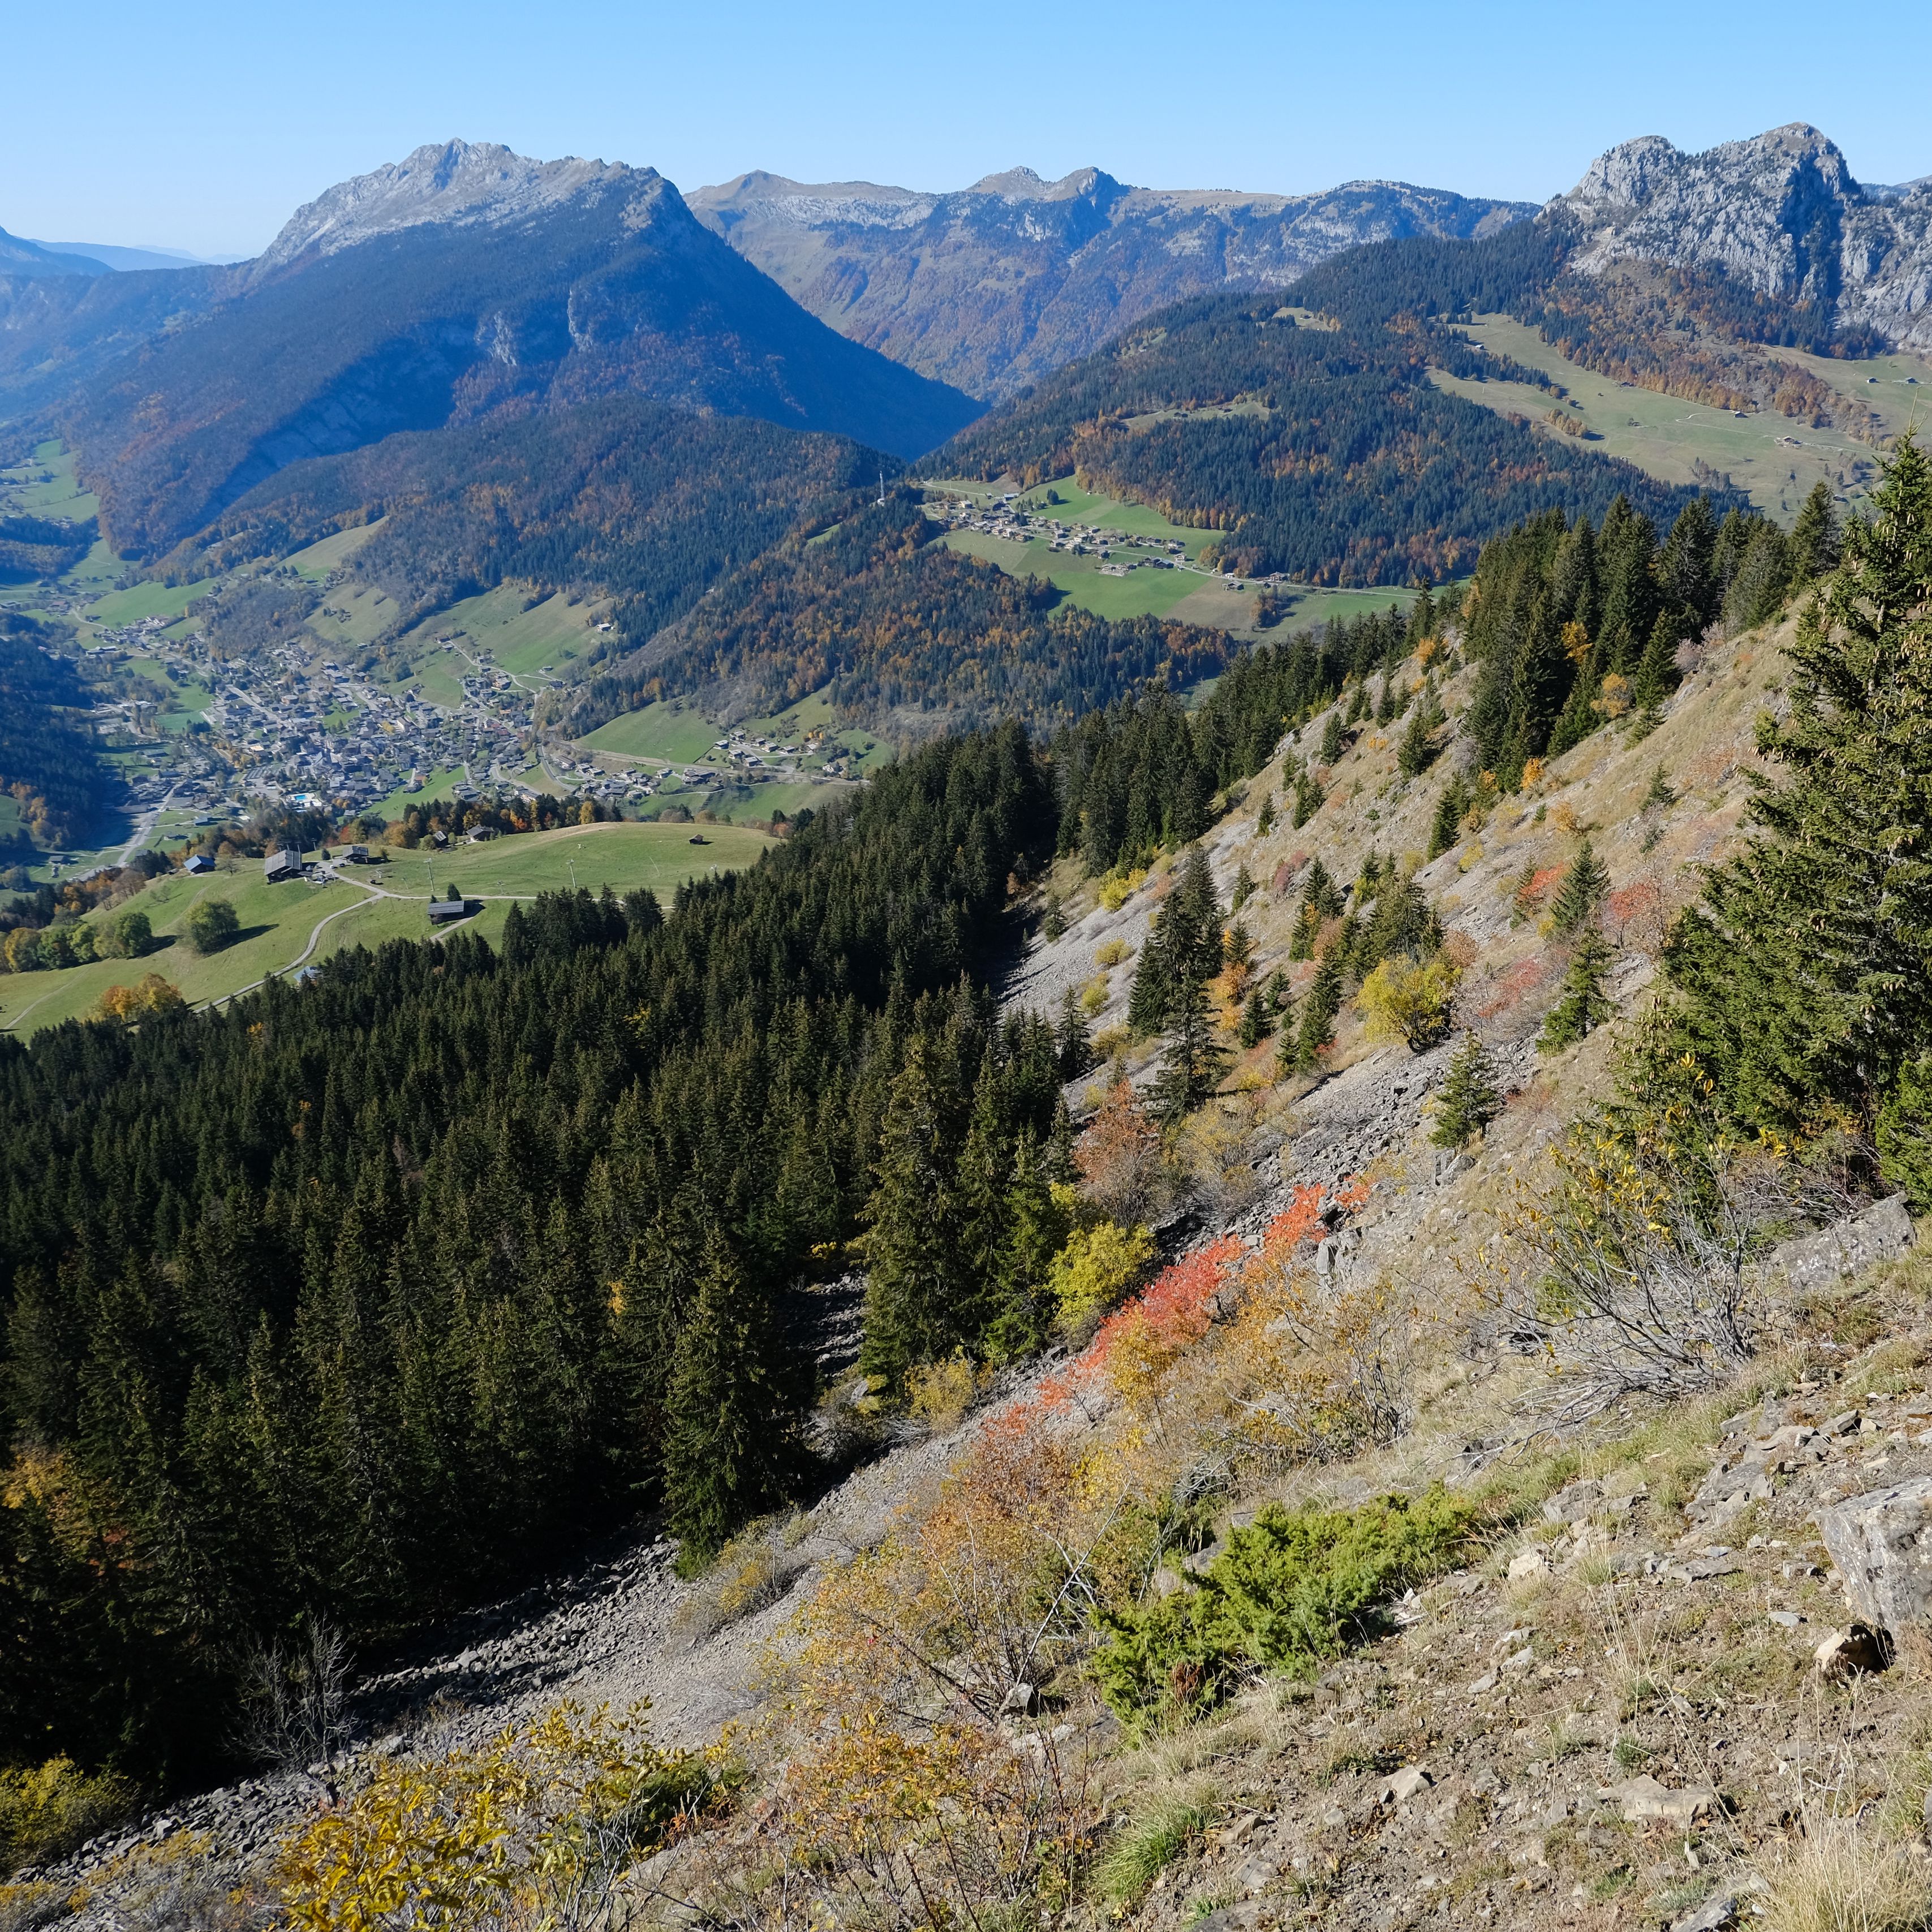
[
  {"x": 296, "y": 1697},
  {"x": 1639, "y": 1270}
]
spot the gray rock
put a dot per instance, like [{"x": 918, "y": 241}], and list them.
[
  {"x": 1881, "y": 1543},
  {"x": 1021, "y": 1700},
  {"x": 1719, "y": 1910},
  {"x": 1881, "y": 1233},
  {"x": 1779, "y": 212},
  {"x": 1643, "y": 1799},
  {"x": 1575, "y": 1504}
]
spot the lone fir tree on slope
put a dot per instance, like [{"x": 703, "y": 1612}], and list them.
[
  {"x": 1585, "y": 1003},
  {"x": 1470, "y": 1098},
  {"x": 1581, "y": 891}
]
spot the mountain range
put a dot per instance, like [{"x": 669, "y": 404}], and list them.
[{"x": 995, "y": 285}]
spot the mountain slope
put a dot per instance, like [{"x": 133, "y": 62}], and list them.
[
  {"x": 450, "y": 286},
  {"x": 19, "y": 256},
  {"x": 1779, "y": 214},
  {"x": 991, "y": 287},
  {"x": 1323, "y": 452},
  {"x": 622, "y": 495}
]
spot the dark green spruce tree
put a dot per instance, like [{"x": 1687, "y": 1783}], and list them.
[
  {"x": 1585, "y": 883},
  {"x": 1584, "y": 1003},
  {"x": 1470, "y": 1098},
  {"x": 729, "y": 1433},
  {"x": 1806, "y": 968}
]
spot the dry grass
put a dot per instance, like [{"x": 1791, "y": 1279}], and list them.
[{"x": 1840, "y": 1876}]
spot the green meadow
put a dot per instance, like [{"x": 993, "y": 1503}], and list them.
[{"x": 277, "y": 922}]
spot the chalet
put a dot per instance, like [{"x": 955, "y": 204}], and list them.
[
  {"x": 444, "y": 912},
  {"x": 196, "y": 864},
  {"x": 283, "y": 865}
]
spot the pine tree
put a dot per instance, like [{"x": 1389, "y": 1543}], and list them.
[
  {"x": 1318, "y": 1011},
  {"x": 1155, "y": 976},
  {"x": 1584, "y": 885},
  {"x": 1191, "y": 1067},
  {"x": 1807, "y": 966},
  {"x": 1540, "y": 682},
  {"x": 1385, "y": 705},
  {"x": 1683, "y": 573},
  {"x": 1307, "y": 799},
  {"x": 1470, "y": 1098},
  {"x": 1073, "y": 1043},
  {"x": 1815, "y": 539},
  {"x": 1446, "y": 827},
  {"x": 1657, "y": 674},
  {"x": 1244, "y": 888},
  {"x": 1421, "y": 622},
  {"x": 1331, "y": 737},
  {"x": 1414, "y": 755},
  {"x": 728, "y": 1442},
  {"x": 1256, "y": 1021},
  {"x": 1584, "y": 1003},
  {"x": 915, "y": 1296},
  {"x": 1264, "y": 818}
]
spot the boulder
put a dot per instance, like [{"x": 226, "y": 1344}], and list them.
[
  {"x": 1717, "y": 1911},
  {"x": 1880, "y": 1233},
  {"x": 1881, "y": 1543},
  {"x": 1643, "y": 1800},
  {"x": 1402, "y": 1786}
]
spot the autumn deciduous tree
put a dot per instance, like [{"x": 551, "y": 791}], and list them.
[{"x": 1119, "y": 1157}]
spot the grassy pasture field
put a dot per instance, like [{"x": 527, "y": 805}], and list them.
[
  {"x": 1187, "y": 596},
  {"x": 1775, "y": 459},
  {"x": 667, "y": 729},
  {"x": 319, "y": 558},
  {"x": 278, "y": 921},
  {"x": 145, "y": 600},
  {"x": 512, "y": 628}
]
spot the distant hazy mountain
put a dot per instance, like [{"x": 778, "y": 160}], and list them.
[
  {"x": 109, "y": 255},
  {"x": 461, "y": 281},
  {"x": 19, "y": 257},
  {"x": 1779, "y": 213},
  {"x": 991, "y": 287}
]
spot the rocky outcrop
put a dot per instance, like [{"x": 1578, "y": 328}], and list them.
[
  {"x": 990, "y": 287},
  {"x": 1881, "y": 1543},
  {"x": 1879, "y": 1233},
  {"x": 464, "y": 182},
  {"x": 1781, "y": 213}
]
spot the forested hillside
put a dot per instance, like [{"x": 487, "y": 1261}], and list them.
[
  {"x": 624, "y": 495},
  {"x": 49, "y": 767},
  {"x": 1323, "y": 452},
  {"x": 349, "y": 1299},
  {"x": 886, "y": 620}
]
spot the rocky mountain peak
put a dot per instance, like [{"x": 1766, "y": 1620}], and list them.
[
  {"x": 1781, "y": 212},
  {"x": 454, "y": 182},
  {"x": 1023, "y": 185}
]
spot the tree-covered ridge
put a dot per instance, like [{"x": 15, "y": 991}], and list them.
[
  {"x": 625, "y": 495},
  {"x": 1325, "y": 452},
  {"x": 348, "y": 1299},
  {"x": 48, "y": 764},
  {"x": 1143, "y": 774},
  {"x": 893, "y": 625},
  {"x": 1575, "y": 624}
]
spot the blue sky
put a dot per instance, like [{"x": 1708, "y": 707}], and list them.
[{"x": 202, "y": 125}]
